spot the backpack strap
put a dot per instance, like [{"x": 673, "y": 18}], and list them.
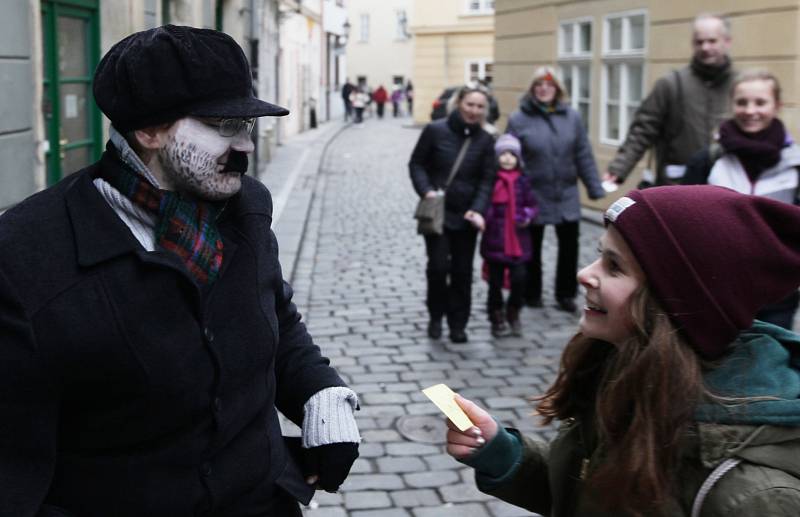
[{"x": 709, "y": 483}]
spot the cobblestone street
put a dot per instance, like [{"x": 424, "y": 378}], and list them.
[{"x": 359, "y": 280}]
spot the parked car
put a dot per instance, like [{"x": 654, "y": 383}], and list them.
[{"x": 439, "y": 108}]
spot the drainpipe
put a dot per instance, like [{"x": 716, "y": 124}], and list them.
[{"x": 254, "y": 68}]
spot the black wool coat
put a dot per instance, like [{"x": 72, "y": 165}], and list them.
[
  {"x": 433, "y": 158},
  {"x": 127, "y": 391}
]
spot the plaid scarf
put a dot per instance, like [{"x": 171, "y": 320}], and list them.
[{"x": 183, "y": 226}]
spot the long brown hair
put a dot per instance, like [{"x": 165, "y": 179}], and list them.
[{"x": 642, "y": 394}]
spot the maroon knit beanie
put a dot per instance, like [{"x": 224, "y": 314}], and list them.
[{"x": 712, "y": 257}]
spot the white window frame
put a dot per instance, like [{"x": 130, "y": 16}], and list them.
[
  {"x": 481, "y": 62},
  {"x": 624, "y": 57},
  {"x": 575, "y": 23},
  {"x": 363, "y": 28},
  {"x": 576, "y": 59},
  {"x": 485, "y": 7},
  {"x": 574, "y": 98}
]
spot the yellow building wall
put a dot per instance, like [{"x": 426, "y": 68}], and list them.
[
  {"x": 765, "y": 34},
  {"x": 445, "y": 39}
]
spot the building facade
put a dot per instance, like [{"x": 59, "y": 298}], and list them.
[
  {"x": 49, "y": 123},
  {"x": 610, "y": 52},
  {"x": 380, "y": 48},
  {"x": 453, "y": 43}
]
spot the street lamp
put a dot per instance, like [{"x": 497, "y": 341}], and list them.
[{"x": 341, "y": 41}]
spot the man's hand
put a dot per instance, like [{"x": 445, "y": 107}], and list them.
[
  {"x": 431, "y": 193},
  {"x": 327, "y": 466},
  {"x": 463, "y": 444}
]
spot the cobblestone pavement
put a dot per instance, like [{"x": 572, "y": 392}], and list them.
[{"x": 359, "y": 281}]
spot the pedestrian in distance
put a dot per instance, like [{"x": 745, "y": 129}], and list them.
[
  {"x": 681, "y": 113},
  {"x": 149, "y": 338},
  {"x": 451, "y": 254},
  {"x": 397, "y": 98},
  {"x": 370, "y": 107},
  {"x": 556, "y": 153},
  {"x": 409, "y": 93},
  {"x": 347, "y": 91},
  {"x": 754, "y": 154},
  {"x": 506, "y": 242},
  {"x": 380, "y": 96},
  {"x": 672, "y": 401},
  {"x": 359, "y": 99}
]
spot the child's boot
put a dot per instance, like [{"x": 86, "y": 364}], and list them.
[
  {"x": 499, "y": 327},
  {"x": 512, "y": 314}
]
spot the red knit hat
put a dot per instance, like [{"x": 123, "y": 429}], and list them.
[{"x": 712, "y": 257}]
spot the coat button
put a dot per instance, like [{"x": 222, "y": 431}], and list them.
[
  {"x": 209, "y": 335},
  {"x": 205, "y": 469}
]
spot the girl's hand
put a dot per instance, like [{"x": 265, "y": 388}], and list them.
[
  {"x": 524, "y": 224},
  {"x": 461, "y": 445},
  {"x": 476, "y": 219}
]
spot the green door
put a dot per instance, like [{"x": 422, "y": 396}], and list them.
[{"x": 73, "y": 126}]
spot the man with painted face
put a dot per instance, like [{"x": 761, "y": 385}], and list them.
[
  {"x": 148, "y": 337},
  {"x": 685, "y": 107}
]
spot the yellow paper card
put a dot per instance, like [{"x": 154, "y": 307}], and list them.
[{"x": 444, "y": 398}]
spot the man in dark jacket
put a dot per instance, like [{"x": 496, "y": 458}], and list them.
[
  {"x": 147, "y": 333},
  {"x": 680, "y": 115},
  {"x": 347, "y": 90}
]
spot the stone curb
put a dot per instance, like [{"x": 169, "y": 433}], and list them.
[{"x": 291, "y": 177}]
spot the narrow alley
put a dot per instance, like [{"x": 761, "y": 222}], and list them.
[{"x": 360, "y": 284}]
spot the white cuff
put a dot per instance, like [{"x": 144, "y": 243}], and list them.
[{"x": 328, "y": 417}]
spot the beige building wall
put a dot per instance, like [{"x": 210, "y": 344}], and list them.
[
  {"x": 387, "y": 50},
  {"x": 765, "y": 34},
  {"x": 446, "y": 38}
]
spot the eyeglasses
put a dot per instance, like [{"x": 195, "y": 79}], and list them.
[{"x": 228, "y": 127}]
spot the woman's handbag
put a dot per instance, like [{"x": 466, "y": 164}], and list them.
[{"x": 430, "y": 210}]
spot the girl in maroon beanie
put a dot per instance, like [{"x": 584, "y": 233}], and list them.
[
  {"x": 671, "y": 399},
  {"x": 754, "y": 154}
]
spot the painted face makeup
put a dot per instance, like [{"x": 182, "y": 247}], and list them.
[
  {"x": 610, "y": 281},
  {"x": 195, "y": 159},
  {"x": 507, "y": 161}
]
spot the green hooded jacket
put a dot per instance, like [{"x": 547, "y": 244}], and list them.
[{"x": 764, "y": 436}]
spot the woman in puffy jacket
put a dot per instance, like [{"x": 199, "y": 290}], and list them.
[
  {"x": 450, "y": 255},
  {"x": 754, "y": 154},
  {"x": 556, "y": 152}
]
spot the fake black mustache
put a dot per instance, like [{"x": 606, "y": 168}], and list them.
[{"x": 237, "y": 162}]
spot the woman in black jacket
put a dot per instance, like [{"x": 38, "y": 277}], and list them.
[{"x": 450, "y": 255}]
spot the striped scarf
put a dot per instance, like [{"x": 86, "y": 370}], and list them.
[{"x": 183, "y": 226}]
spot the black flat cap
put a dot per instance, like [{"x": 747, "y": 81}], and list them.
[{"x": 164, "y": 74}]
